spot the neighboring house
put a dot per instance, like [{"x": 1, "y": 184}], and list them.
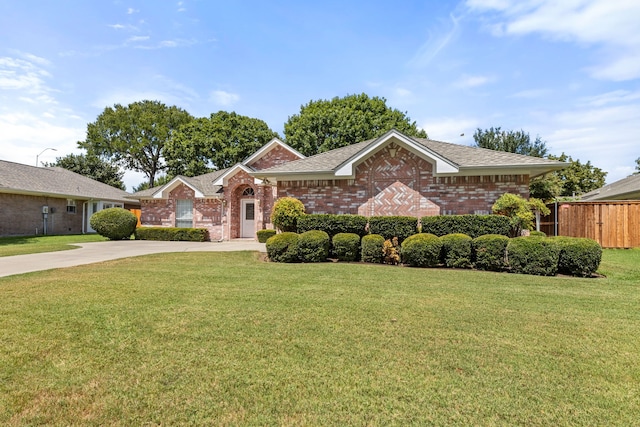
[
  {"x": 625, "y": 189},
  {"x": 52, "y": 200},
  {"x": 391, "y": 175}
]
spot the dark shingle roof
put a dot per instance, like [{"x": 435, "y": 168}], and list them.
[
  {"x": 55, "y": 182},
  {"x": 459, "y": 155},
  {"x": 203, "y": 183},
  {"x": 625, "y": 189}
]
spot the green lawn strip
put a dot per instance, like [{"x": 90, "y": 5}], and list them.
[
  {"x": 37, "y": 244},
  {"x": 223, "y": 338}
]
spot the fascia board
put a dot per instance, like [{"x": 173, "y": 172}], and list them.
[
  {"x": 163, "y": 192},
  {"x": 224, "y": 178},
  {"x": 268, "y": 147}
]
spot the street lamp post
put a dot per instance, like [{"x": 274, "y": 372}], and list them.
[{"x": 43, "y": 152}]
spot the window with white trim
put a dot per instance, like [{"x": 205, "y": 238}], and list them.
[
  {"x": 184, "y": 213},
  {"x": 71, "y": 206}
]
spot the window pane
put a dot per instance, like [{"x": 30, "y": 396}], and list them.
[
  {"x": 249, "y": 212},
  {"x": 184, "y": 213}
]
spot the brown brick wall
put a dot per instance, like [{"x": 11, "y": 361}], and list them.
[
  {"x": 402, "y": 184},
  {"x": 21, "y": 215},
  {"x": 275, "y": 157}
]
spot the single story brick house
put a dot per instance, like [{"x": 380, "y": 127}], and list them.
[
  {"x": 52, "y": 200},
  {"x": 394, "y": 174}
]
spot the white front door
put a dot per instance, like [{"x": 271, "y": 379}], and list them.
[{"x": 247, "y": 219}]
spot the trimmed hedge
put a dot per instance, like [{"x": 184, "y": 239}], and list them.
[
  {"x": 313, "y": 246},
  {"x": 167, "y": 234},
  {"x": 535, "y": 233},
  {"x": 333, "y": 224},
  {"x": 393, "y": 226},
  {"x": 372, "y": 248},
  {"x": 263, "y": 235},
  {"x": 346, "y": 246},
  {"x": 533, "y": 255},
  {"x": 471, "y": 225},
  {"x": 456, "y": 250},
  {"x": 114, "y": 223},
  {"x": 283, "y": 247},
  {"x": 421, "y": 250},
  {"x": 578, "y": 256},
  {"x": 490, "y": 252}
]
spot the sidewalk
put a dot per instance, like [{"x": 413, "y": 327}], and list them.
[{"x": 89, "y": 253}]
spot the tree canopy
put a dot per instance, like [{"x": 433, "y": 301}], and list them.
[
  {"x": 510, "y": 141},
  {"x": 577, "y": 178},
  {"x": 323, "y": 125},
  {"x": 637, "y": 166},
  {"x": 93, "y": 167},
  {"x": 135, "y": 136},
  {"x": 214, "y": 143}
]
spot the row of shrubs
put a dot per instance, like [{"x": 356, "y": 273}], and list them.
[
  {"x": 172, "y": 234},
  {"x": 494, "y": 252},
  {"x": 402, "y": 227}
]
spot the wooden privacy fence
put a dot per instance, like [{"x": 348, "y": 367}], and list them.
[{"x": 613, "y": 224}]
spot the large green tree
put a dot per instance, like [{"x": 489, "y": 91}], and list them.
[
  {"x": 577, "y": 178},
  {"x": 135, "y": 136},
  {"x": 93, "y": 167},
  {"x": 214, "y": 143},
  {"x": 510, "y": 141},
  {"x": 327, "y": 124}
]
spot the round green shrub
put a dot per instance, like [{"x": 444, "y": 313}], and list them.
[
  {"x": 114, "y": 223},
  {"x": 578, "y": 256},
  {"x": 372, "y": 248},
  {"x": 313, "y": 246},
  {"x": 346, "y": 246},
  {"x": 456, "y": 250},
  {"x": 533, "y": 255},
  {"x": 535, "y": 233},
  {"x": 263, "y": 235},
  {"x": 421, "y": 250},
  {"x": 490, "y": 252},
  {"x": 285, "y": 213},
  {"x": 283, "y": 247}
]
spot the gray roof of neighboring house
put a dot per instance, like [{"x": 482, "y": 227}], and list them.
[
  {"x": 203, "y": 183},
  {"x": 625, "y": 189},
  {"x": 17, "y": 178},
  {"x": 459, "y": 155}
]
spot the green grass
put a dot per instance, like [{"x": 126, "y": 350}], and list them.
[
  {"x": 37, "y": 244},
  {"x": 225, "y": 339}
]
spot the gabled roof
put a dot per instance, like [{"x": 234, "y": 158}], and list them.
[
  {"x": 449, "y": 159},
  {"x": 275, "y": 142},
  {"x": 625, "y": 189},
  {"x": 202, "y": 185},
  {"x": 16, "y": 178}
]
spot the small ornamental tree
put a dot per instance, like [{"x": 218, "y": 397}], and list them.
[
  {"x": 538, "y": 208},
  {"x": 517, "y": 209},
  {"x": 114, "y": 223},
  {"x": 285, "y": 213}
]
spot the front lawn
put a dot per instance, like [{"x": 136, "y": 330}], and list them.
[
  {"x": 36, "y": 244},
  {"x": 226, "y": 339}
]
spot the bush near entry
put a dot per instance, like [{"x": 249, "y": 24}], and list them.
[
  {"x": 283, "y": 247},
  {"x": 421, "y": 250},
  {"x": 114, "y": 223},
  {"x": 346, "y": 246},
  {"x": 263, "y": 235},
  {"x": 313, "y": 246},
  {"x": 168, "y": 234},
  {"x": 285, "y": 213}
]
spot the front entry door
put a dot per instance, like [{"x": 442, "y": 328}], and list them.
[{"x": 247, "y": 222}]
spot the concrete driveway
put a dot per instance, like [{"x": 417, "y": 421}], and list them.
[{"x": 89, "y": 253}]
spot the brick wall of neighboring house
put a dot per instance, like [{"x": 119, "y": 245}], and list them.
[
  {"x": 402, "y": 184},
  {"x": 277, "y": 156},
  {"x": 21, "y": 215}
]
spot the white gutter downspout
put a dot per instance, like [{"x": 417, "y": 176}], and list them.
[{"x": 84, "y": 216}]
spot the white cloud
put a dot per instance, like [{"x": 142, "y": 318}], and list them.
[
  {"x": 467, "y": 82},
  {"x": 131, "y": 11},
  {"x": 609, "y": 25},
  {"x": 458, "y": 130},
  {"x": 531, "y": 93},
  {"x": 435, "y": 44},
  {"x": 224, "y": 98}
]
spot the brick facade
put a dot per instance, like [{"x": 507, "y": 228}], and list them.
[
  {"x": 21, "y": 215},
  {"x": 275, "y": 157},
  {"x": 402, "y": 184}
]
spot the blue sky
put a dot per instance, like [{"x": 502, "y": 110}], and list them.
[{"x": 566, "y": 70}]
